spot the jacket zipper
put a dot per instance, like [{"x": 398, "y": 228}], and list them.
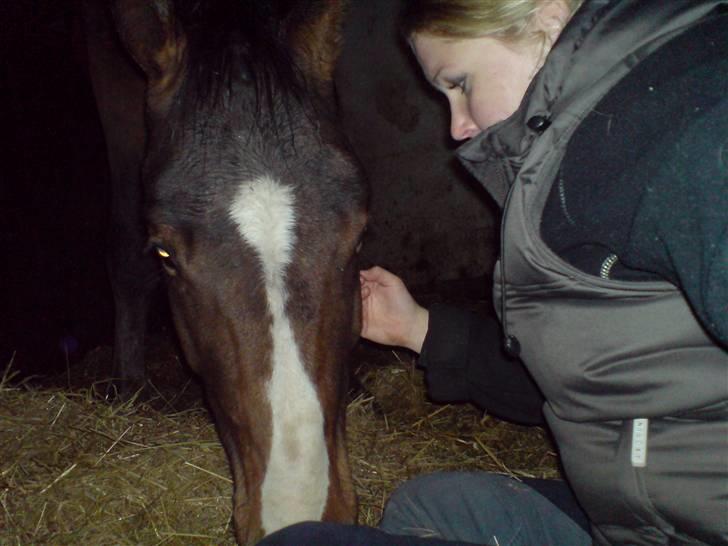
[
  {"x": 606, "y": 269},
  {"x": 510, "y": 343}
]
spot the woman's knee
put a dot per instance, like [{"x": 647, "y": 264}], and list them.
[
  {"x": 440, "y": 487},
  {"x": 436, "y": 504}
]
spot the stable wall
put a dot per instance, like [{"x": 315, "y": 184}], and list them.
[{"x": 430, "y": 222}]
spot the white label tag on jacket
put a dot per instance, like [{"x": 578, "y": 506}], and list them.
[{"x": 639, "y": 442}]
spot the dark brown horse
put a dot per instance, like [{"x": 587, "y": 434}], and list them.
[{"x": 253, "y": 210}]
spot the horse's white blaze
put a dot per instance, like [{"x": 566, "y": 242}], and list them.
[{"x": 296, "y": 482}]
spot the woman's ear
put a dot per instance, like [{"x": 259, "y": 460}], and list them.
[{"x": 550, "y": 19}]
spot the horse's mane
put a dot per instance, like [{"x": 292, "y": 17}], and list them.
[{"x": 233, "y": 41}]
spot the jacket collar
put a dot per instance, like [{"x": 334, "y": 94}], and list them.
[{"x": 600, "y": 35}]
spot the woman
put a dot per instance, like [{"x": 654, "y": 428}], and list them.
[{"x": 601, "y": 128}]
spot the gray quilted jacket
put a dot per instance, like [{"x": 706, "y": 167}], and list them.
[{"x": 636, "y": 389}]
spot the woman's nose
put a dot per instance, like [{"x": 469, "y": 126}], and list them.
[{"x": 462, "y": 126}]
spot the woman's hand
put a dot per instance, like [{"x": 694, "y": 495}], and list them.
[{"x": 389, "y": 313}]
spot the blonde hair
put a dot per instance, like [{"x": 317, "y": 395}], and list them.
[{"x": 507, "y": 20}]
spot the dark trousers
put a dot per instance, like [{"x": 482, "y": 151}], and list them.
[{"x": 453, "y": 508}]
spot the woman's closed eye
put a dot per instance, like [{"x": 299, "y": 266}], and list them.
[{"x": 457, "y": 83}]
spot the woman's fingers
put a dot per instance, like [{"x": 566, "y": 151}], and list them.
[{"x": 379, "y": 275}]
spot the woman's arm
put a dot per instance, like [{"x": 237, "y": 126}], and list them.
[
  {"x": 459, "y": 350},
  {"x": 464, "y": 361}
]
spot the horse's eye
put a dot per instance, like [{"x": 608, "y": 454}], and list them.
[
  {"x": 167, "y": 261},
  {"x": 162, "y": 253}
]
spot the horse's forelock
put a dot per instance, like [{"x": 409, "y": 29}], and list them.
[{"x": 231, "y": 42}]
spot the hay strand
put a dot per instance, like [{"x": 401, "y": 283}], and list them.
[{"x": 77, "y": 470}]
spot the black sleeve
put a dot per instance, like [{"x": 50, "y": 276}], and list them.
[
  {"x": 464, "y": 362},
  {"x": 681, "y": 227}
]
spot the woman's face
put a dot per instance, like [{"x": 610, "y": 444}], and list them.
[{"x": 484, "y": 79}]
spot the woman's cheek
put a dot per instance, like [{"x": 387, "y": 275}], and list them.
[{"x": 487, "y": 111}]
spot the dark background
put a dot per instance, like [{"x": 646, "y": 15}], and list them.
[
  {"x": 429, "y": 221},
  {"x": 54, "y": 193}
]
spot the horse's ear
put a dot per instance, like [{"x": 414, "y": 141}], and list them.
[
  {"x": 151, "y": 35},
  {"x": 315, "y": 35}
]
